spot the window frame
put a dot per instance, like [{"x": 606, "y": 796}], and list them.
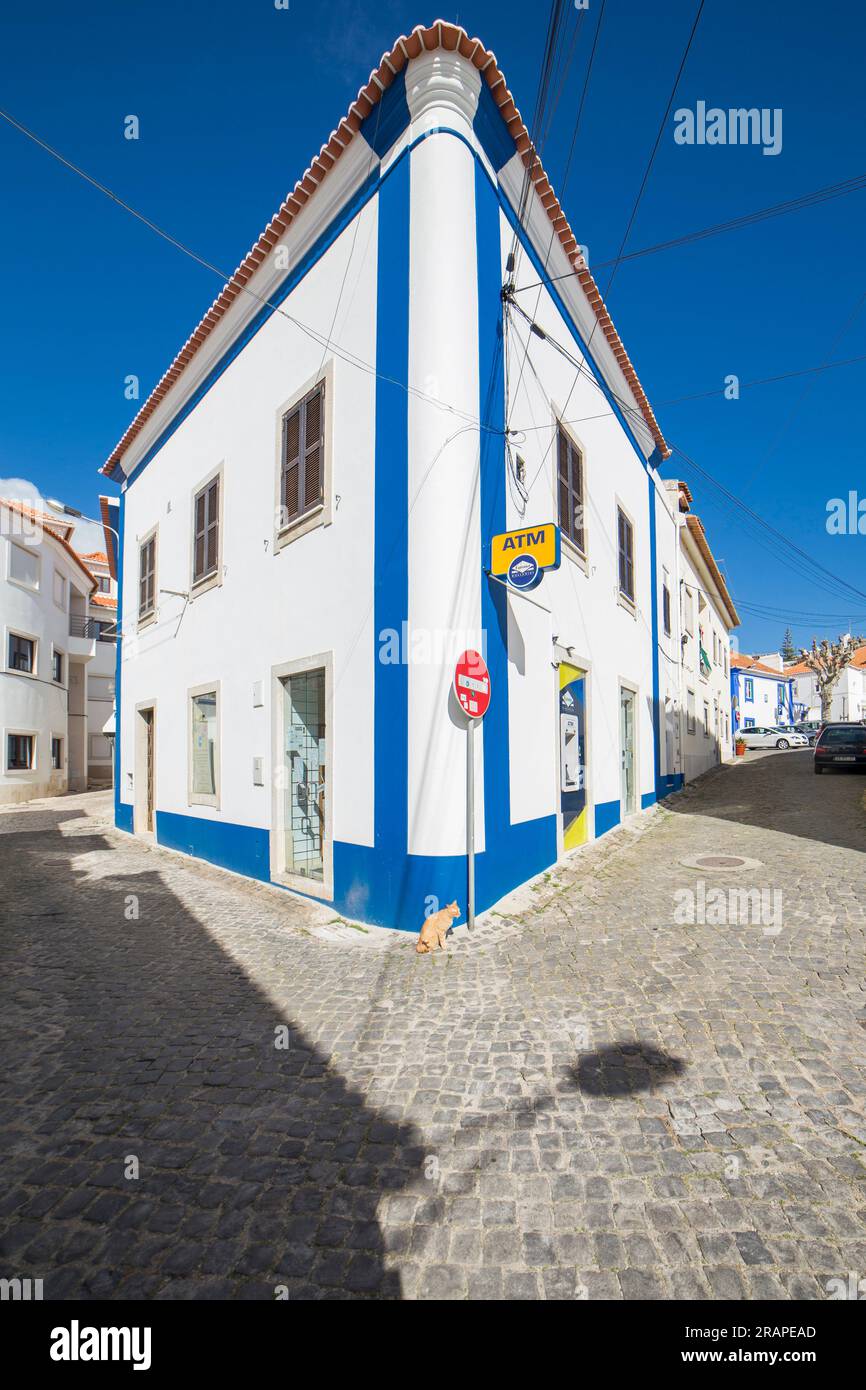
[
  {"x": 666, "y": 605},
  {"x": 58, "y": 739},
  {"x": 33, "y": 736},
  {"x": 749, "y": 689},
  {"x": 55, "y": 653},
  {"x": 213, "y": 577},
  {"x": 628, "y": 601},
  {"x": 579, "y": 548},
  {"x": 151, "y": 537},
  {"x": 58, "y": 574},
  {"x": 321, "y": 513},
  {"x": 193, "y": 797},
  {"x": 22, "y": 583},
  {"x": 31, "y": 637},
  {"x": 691, "y": 711}
]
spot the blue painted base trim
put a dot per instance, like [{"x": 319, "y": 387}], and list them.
[
  {"x": 607, "y": 815},
  {"x": 672, "y": 782},
  {"x": 245, "y": 849},
  {"x": 648, "y": 799},
  {"x": 123, "y": 816},
  {"x": 395, "y": 892},
  {"x": 370, "y": 886}
]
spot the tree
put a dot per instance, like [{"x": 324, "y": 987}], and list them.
[
  {"x": 828, "y": 660},
  {"x": 788, "y": 650}
]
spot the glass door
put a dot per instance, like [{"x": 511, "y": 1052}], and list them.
[
  {"x": 304, "y": 753},
  {"x": 627, "y": 752}
]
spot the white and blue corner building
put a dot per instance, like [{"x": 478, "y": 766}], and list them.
[{"x": 307, "y": 500}]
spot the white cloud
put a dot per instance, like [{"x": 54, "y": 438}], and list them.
[{"x": 86, "y": 537}]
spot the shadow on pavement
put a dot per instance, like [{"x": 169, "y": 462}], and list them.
[
  {"x": 141, "y": 1038},
  {"x": 624, "y": 1068},
  {"x": 780, "y": 792}
]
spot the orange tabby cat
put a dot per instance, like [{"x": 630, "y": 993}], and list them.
[{"x": 436, "y": 928}]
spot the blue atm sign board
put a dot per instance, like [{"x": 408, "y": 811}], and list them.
[{"x": 522, "y": 556}]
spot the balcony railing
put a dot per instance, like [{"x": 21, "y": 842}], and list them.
[{"x": 90, "y": 629}]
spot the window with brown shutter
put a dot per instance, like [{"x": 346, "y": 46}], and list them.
[
  {"x": 206, "y": 523},
  {"x": 147, "y": 578},
  {"x": 625, "y": 538},
  {"x": 303, "y": 450},
  {"x": 570, "y": 490}
]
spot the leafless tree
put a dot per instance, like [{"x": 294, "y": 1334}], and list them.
[{"x": 828, "y": 660}]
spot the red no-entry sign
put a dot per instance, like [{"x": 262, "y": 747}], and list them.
[{"x": 472, "y": 684}]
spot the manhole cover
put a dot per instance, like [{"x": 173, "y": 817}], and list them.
[{"x": 721, "y": 861}]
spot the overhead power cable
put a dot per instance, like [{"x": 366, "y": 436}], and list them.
[
  {"x": 805, "y": 200},
  {"x": 343, "y": 353}
]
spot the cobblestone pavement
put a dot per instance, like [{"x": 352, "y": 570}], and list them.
[{"x": 590, "y": 1098}]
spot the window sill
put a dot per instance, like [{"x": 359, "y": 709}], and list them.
[
  {"x": 574, "y": 553},
  {"x": 147, "y": 621},
  {"x": 201, "y": 586},
  {"x": 213, "y": 802},
  {"x": 627, "y": 603},
  {"x": 320, "y": 515},
  {"x": 14, "y": 671}
]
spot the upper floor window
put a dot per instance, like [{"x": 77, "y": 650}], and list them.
[
  {"x": 302, "y": 456},
  {"x": 104, "y": 582},
  {"x": 59, "y": 589},
  {"x": 23, "y": 565},
  {"x": 147, "y": 578},
  {"x": 571, "y": 481},
  {"x": 57, "y": 667},
  {"x": 22, "y": 653},
  {"x": 666, "y": 609},
  {"x": 749, "y": 688},
  {"x": 206, "y": 531},
  {"x": 625, "y": 547}
]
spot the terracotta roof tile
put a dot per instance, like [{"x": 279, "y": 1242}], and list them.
[
  {"x": 438, "y": 35},
  {"x": 57, "y": 535}
]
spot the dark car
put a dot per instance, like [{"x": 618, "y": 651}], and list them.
[
  {"x": 841, "y": 745},
  {"x": 810, "y": 728}
]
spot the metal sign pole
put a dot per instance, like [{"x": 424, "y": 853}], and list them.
[{"x": 470, "y": 824}]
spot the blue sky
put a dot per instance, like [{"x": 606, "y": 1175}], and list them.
[{"x": 234, "y": 98}]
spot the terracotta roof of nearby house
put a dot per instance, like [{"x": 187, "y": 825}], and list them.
[
  {"x": 57, "y": 526},
  {"x": 98, "y": 556},
  {"x": 51, "y": 525},
  {"x": 799, "y": 668},
  {"x": 750, "y": 663},
  {"x": 451, "y": 37},
  {"x": 696, "y": 530},
  {"x": 104, "y": 601},
  {"x": 105, "y": 505}
]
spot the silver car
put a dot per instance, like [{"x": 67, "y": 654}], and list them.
[{"x": 773, "y": 738}]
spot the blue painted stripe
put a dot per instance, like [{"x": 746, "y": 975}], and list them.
[
  {"x": 607, "y": 815},
  {"x": 492, "y": 132},
  {"x": 245, "y": 849},
  {"x": 494, "y": 597},
  {"x": 389, "y": 118},
  {"x": 118, "y": 653},
  {"x": 391, "y": 547},
  {"x": 123, "y": 816},
  {"x": 654, "y": 634},
  {"x": 647, "y": 799}
]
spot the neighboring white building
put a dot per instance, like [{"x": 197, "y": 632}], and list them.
[
  {"x": 762, "y": 694},
  {"x": 44, "y": 592},
  {"x": 707, "y": 616},
  {"x": 102, "y": 617},
  {"x": 308, "y": 499},
  {"x": 849, "y": 696}
]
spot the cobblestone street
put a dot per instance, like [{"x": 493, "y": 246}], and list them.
[{"x": 588, "y": 1098}]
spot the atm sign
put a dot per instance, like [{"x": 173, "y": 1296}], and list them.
[{"x": 541, "y": 542}]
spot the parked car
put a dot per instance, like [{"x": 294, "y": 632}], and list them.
[
  {"x": 772, "y": 738},
  {"x": 811, "y": 728},
  {"x": 840, "y": 745}
]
